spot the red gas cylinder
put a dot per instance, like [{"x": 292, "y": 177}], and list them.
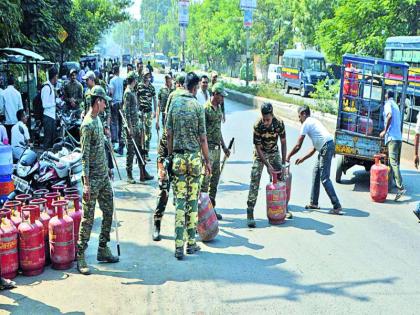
[
  {"x": 51, "y": 197},
  {"x": 15, "y": 207},
  {"x": 8, "y": 245},
  {"x": 207, "y": 226},
  {"x": 378, "y": 180},
  {"x": 24, "y": 199},
  {"x": 31, "y": 243},
  {"x": 59, "y": 189},
  {"x": 44, "y": 218},
  {"x": 276, "y": 193},
  {"x": 76, "y": 214},
  {"x": 71, "y": 191},
  {"x": 62, "y": 250},
  {"x": 40, "y": 193}
]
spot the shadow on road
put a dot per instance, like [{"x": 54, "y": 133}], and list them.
[
  {"x": 226, "y": 239},
  {"x": 233, "y": 186}
]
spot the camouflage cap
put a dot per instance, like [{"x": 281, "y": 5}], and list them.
[
  {"x": 99, "y": 92},
  {"x": 219, "y": 89},
  {"x": 131, "y": 75}
]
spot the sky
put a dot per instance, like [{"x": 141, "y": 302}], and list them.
[{"x": 135, "y": 9}]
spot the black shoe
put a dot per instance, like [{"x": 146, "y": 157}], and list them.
[
  {"x": 156, "y": 231},
  {"x": 289, "y": 215},
  {"x": 179, "y": 253},
  {"x": 250, "y": 219},
  {"x": 119, "y": 151},
  {"x": 218, "y": 216},
  {"x": 192, "y": 249},
  {"x": 144, "y": 175},
  {"x": 400, "y": 193}
]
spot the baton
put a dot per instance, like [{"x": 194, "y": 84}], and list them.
[
  {"x": 116, "y": 222},
  {"x": 142, "y": 162},
  {"x": 226, "y": 157},
  {"x": 113, "y": 158}
]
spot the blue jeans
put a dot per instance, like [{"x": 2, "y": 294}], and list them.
[{"x": 322, "y": 174}]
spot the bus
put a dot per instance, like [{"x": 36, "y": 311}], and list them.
[{"x": 407, "y": 49}]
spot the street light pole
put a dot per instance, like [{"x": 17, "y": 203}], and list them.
[{"x": 247, "y": 56}]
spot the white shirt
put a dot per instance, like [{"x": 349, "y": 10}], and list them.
[
  {"x": 316, "y": 131},
  {"x": 418, "y": 124},
  {"x": 48, "y": 100},
  {"x": 19, "y": 139},
  {"x": 394, "y": 130},
  {"x": 12, "y": 103},
  {"x": 201, "y": 96},
  {"x": 1, "y": 102}
]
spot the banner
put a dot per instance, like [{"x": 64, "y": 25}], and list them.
[{"x": 183, "y": 16}]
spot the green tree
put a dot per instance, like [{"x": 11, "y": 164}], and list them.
[
  {"x": 10, "y": 19},
  {"x": 153, "y": 15}
]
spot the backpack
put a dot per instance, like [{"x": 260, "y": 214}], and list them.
[{"x": 38, "y": 110}]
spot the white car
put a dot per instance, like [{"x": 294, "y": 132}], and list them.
[{"x": 274, "y": 72}]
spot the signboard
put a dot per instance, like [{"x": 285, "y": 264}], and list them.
[
  {"x": 183, "y": 16},
  {"x": 62, "y": 34},
  {"x": 248, "y": 18},
  {"x": 248, "y": 4}
]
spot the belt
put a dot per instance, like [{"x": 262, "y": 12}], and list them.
[
  {"x": 214, "y": 147},
  {"x": 183, "y": 151}
]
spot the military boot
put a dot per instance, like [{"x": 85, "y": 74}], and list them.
[
  {"x": 192, "y": 249},
  {"x": 105, "y": 255},
  {"x": 179, "y": 253},
  {"x": 130, "y": 178},
  {"x": 213, "y": 202},
  {"x": 250, "y": 218},
  {"x": 144, "y": 175},
  {"x": 82, "y": 265},
  {"x": 156, "y": 230}
]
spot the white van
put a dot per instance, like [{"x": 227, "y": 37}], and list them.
[{"x": 274, "y": 73}]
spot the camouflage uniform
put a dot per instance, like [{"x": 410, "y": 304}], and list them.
[
  {"x": 73, "y": 90},
  {"x": 163, "y": 96},
  {"x": 214, "y": 139},
  {"x": 95, "y": 169},
  {"x": 267, "y": 138},
  {"x": 186, "y": 122},
  {"x": 130, "y": 109},
  {"x": 145, "y": 96}
]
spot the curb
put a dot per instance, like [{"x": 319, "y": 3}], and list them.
[{"x": 289, "y": 112}]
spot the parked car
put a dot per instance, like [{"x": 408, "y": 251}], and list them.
[
  {"x": 274, "y": 73},
  {"x": 174, "y": 63},
  {"x": 302, "y": 69}
]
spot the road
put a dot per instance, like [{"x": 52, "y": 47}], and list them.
[{"x": 365, "y": 262}]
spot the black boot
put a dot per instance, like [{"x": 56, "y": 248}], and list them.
[
  {"x": 213, "y": 202},
  {"x": 179, "y": 253},
  {"x": 250, "y": 218},
  {"x": 156, "y": 230},
  {"x": 144, "y": 176}
]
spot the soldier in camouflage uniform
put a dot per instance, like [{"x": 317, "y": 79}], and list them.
[
  {"x": 163, "y": 96},
  {"x": 73, "y": 92},
  {"x": 130, "y": 109},
  {"x": 96, "y": 182},
  {"x": 146, "y": 95},
  {"x": 186, "y": 130},
  {"x": 215, "y": 141},
  {"x": 164, "y": 179},
  {"x": 267, "y": 130}
]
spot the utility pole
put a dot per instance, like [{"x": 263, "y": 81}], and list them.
[
  {"x": 183, "y": 17},
  {"x": 248, "y": 6}
]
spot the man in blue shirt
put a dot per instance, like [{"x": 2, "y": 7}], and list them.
[
  {"x": 116, "y": 84},
  {"x": 393, "y": 139}
]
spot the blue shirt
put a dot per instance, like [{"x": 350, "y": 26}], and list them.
[
  {"x": 117, "y": 84},
  {"x": 394, "y": 130}
]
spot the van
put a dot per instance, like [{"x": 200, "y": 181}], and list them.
[
  {"x": 274, "y": 73},
  {"x": 302, "y": 69}
]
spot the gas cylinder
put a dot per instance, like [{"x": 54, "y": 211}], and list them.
[
  {"x": 51, "y": 197},
  {"x": 276, "y": 193},
  {"x": 40, "y": 193},
  {"x": 59, "y": 188},
  {"x": 207, "y": 226},
  {"x": 71, "y": 191},
  {"x": 16, "y": 216},
  {"x": 8, "y": 245},
  {"x": 61, "y": 228},
  {"x": 44, "y": 218},
  {"x": 378, "y": 180},
  {"x": 31, "y": 243},
  {"x": 24, "y": 199},
  {"x": 74, "y": 211}
]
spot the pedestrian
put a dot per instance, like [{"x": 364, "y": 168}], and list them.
[
  {"x": 116, "y": 87},
  {"x": 323, "y": 143},
  {"x": 416, "y": 156},
  {"x": 268, "y": 129},
  {"x": 393, "y": 139},
  {"x": 165, "y": 179},
  {"x": 49, "y": 106},
  {"x": 139, "y": 71},
  {"x": 150, "y": 68},
  {"x": 73, "y": 91},
  {"x": 12, "y": 102},
  {"x": 203, "y": 94},
  {"x": 186, "y": 130},
  {"x": 146, "y": 96},
  {"x": 214, "y": 79},
  {"x": 96, "y": 182},
  {"x": 134, "y": 130},
  {"x": 163, "y": 96},
  {"x": 214, "y": 115},
  {"x": 20, "y": 135}
]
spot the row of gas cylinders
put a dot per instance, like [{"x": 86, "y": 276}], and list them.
[{"x": 39, "y": 229}]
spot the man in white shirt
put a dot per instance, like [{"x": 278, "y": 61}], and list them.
[
  {"x": 117, "y": 93},
  {"x": 324, "y": 144},
  {"x": 203, "y": 94},
  {"x": 20, "y": 134},
  {"x": 393, "y": 139},
  {"x": 12, "y": 102},
  {"x": 49, "y": 105}
]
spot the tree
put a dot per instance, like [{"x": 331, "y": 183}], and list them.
[
  {"x": 10, "y": 19},
  {"x": 153, "y": 15}
]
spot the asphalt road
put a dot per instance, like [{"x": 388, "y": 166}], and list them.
[{"x": 365, "y": 262}]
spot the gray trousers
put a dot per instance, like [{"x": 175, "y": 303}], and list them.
[{"x": 49, "y": 132}]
